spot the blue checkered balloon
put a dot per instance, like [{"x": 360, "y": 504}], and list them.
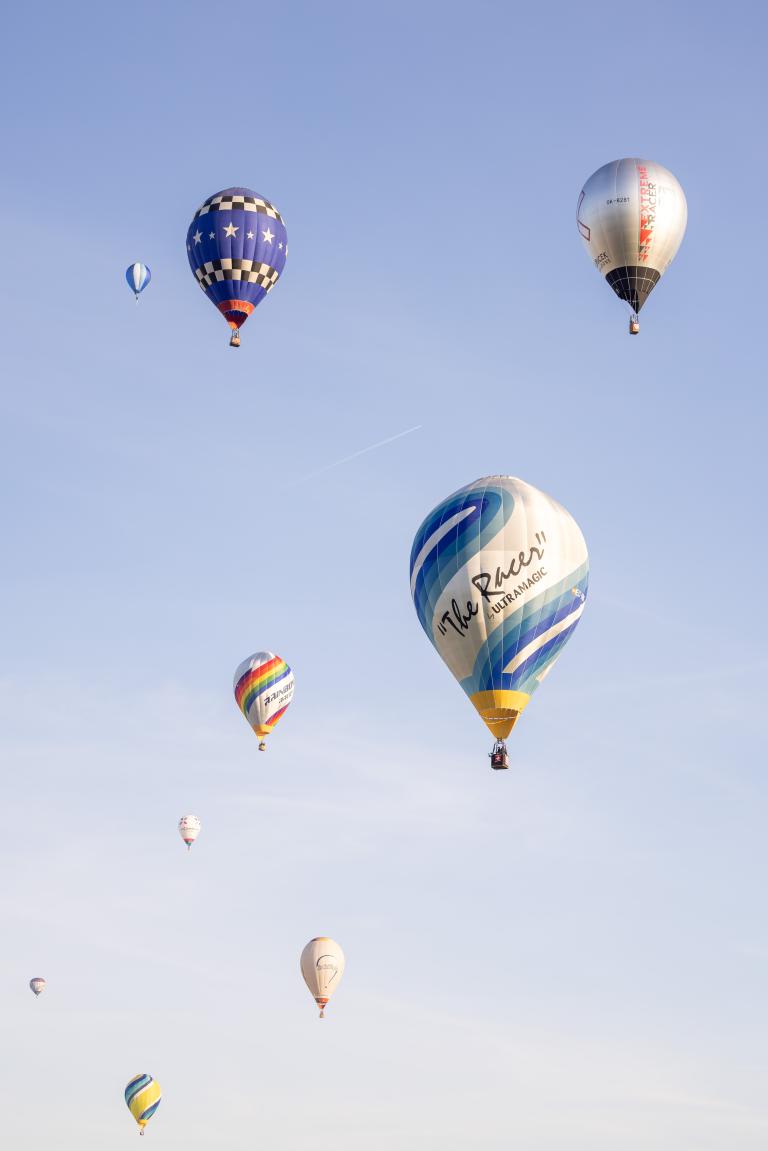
[{"x": 237, "y": 245}]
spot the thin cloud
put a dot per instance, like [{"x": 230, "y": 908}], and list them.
[{"x": 361, "y": 452}]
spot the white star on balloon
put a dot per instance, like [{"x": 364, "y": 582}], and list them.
[
  {"x": 211, "y": 235},
  {"x": 268, "y": 236},
  {"x": 231, "y": 230},
  {"x": 280, "y": 244},
  {"x": 197, "y": 237},
  {"x": 250, "y": 235}
]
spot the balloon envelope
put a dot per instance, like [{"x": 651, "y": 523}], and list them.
[
  {"x": 138, "y": 276},
  {"x": 143, "y": 1098},
  {"x": 322, "y": 965},
  {"x": 499, "y": 575},
  {"x": 631, "y": 216},
  {"x": 189, "y": 828},
  {"x": 263, "y": 686},
  {"x": 237, "y": 245},
  {"x": 37, "y": 984}
]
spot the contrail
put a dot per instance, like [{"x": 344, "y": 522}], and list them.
[{"x": 361, "y": 452}]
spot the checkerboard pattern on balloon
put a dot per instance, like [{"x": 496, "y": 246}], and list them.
[
  {"x": 251, "y": 271},
  {"x": 228, "y": 203}
]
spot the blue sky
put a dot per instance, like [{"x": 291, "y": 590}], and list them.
[{"x": 572, "y": 955}]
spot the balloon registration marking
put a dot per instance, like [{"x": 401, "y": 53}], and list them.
[
  {"x": 142, "y": 1096},
  {"x": 499, "y": 575}
]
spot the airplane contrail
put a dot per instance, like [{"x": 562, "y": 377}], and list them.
[{"x": 361, "y": 452}]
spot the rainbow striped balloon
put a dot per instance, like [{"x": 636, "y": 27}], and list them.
[
  {"x": 263, "y": 689},
  {"x": 143, "y": 1096}
]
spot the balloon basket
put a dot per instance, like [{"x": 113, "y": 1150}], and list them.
[{"x": 499, "y": 756}]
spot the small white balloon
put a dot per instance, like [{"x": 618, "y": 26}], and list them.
[
  {"x": 37, "y": 984},
  {"x": 322, "y": 965},
  {"x": 189, "y": 829}
]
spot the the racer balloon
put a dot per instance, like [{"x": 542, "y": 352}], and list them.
[{"x": 499, "y": 581}]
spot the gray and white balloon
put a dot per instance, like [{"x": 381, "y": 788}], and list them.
[{"x": 631, "y": 216}]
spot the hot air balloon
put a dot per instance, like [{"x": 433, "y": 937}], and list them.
[
  {"x": 499, "y": 581},
  {"x": 237, "y": 245},
  {"x": 143, "y": 1096},
  {"x": 138, "y": 276},
  {"x": 631, "y": 216},
  {"x": 37, "y": 984},
  {"x": 263, "y": 689},
  {"x": 189, "y": 829},
  {"x": 322, "y": 965}
]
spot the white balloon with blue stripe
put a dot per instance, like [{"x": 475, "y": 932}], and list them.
[
  {"x": 499, "y": 575},
  {"x": 138, "y": 276}
]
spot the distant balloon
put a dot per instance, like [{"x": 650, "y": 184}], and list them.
[
  {"x": 237, "y": 245},
  {"x": 37, "y": 984},
  {"x": 631, "y": 216},
  {"x": 138, "y": 276},
  {"x": 189, "y": 829},
  {"x": 499, "y": 576},
  {"x": 143, "y": 1096},
  {"x": 263, "y": 689},
  {"x": 322, "y": 965}
]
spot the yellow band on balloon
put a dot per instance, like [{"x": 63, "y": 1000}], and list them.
[{"x": 500, "y": 710}]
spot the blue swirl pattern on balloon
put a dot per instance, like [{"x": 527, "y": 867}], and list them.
[
  {"x": 523, "y": 630},
  {"x": 143, "y": 1097},
  {"x": 458, "y": 527}
]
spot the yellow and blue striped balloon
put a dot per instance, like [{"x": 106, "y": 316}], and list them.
[{"x": 143, "y": 1096}]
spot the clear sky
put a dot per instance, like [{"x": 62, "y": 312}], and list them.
[{"x": 571, "y": 956}]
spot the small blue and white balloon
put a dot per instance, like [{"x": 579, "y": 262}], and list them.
[{"x": 137, "y": 276}]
